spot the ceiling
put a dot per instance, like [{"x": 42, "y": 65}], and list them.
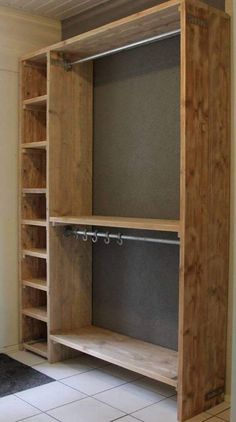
[{"x": 57, "y": 9}]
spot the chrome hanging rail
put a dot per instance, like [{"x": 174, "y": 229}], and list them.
[
  {"x": 119, "y": 237},
  {"x": 150, "y": 40}
]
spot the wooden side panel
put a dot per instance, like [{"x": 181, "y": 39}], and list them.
[
  {"x": 205, "y": 208},
  {"x": 70, "y": 192},
  {"x": 70, "y": 144}
]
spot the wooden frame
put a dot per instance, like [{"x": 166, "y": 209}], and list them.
[{"x": 59, "y": 276}]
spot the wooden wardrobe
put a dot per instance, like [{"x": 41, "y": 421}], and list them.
[{"x": 57, "y": 185}]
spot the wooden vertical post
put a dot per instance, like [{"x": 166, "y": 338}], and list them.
[
  {"x": 205, "y": 156},
  {"x": 70, "y": 193}
]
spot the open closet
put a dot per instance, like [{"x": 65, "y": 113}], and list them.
[{"x": 124, "y": 198}]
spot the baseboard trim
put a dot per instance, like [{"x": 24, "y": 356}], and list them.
[
  {"x": 10, "y": 349},
  {"x": 228, "y": 398}
]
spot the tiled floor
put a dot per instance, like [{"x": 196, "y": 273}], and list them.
[{"x": 89, "y": 390}]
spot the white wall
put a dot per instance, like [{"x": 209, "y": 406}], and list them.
[{"x": 20, "y": 33}]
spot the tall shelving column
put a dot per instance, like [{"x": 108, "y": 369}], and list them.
[{"x": 33, "y": 206}]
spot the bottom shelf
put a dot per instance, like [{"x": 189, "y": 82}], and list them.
[
  {"x": 40, "y": 347},
  {"x": 144, "y": 358}
]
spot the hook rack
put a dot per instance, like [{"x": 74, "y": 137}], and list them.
[{"x": 107, "y": 237}]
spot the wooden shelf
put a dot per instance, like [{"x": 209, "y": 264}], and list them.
[
  {"x": 34, "y": 145},
  {"x": 35, "y": 222},
  {"x": 147, "y": 359},
  {"x": 40, "y": 347},
  {"x": 36, "y": 102},
  {"x": 36, "y": 283},
  {"x": 122, "y": 222},
  {"x": 37, "y": 253},
  {"x": 34, "y": 191},
  {"x": 39, "y": 313},
  {"x": 142, "y": 25}
]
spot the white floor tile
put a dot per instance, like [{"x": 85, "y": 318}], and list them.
[
  {"x": 225, "y": 415},
  {"x": 13, "y": 409},
  {"x": 50, "y": 395},
  {"x": 121, "y": 373},
  {"x": 93, "y": 382},
  {"x": 40, "y": 418},
  {"x": 218, "y": 409},
  {"x": 129, "y": 397},
  {"x": 127, "y": 419},
  {"x": 27, "y": 358},
  {"x": 158, "y": 387},
  {"x": 65, "y": 369},
  {"x": 86, "y": 410},
  {"x": 165, "y": 411}
]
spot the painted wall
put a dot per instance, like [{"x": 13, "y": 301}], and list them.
[{"x": 20, "y": 33}]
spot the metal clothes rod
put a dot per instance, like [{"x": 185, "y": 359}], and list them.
[
  {"x": 127, "y": 47},
  {"x": 119, "y": 237}
]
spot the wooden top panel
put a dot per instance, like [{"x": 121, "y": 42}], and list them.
[
  {"x": 139, "y": 26},
  {"x": 145, "y": 358},
  {"x": 123, "y": 222}
]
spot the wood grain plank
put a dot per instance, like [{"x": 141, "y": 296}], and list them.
[
  {"x": 32, "y": 191},
  {"x": 34, "y": 169},
  {"x": 204, "y": 208},
  {"x": 123, "y": 222},
  {"x": 145, "y": 358},
  {"x": 34, "y": 81},
  {"x": 36, "y": 283},
  {"x": 35, "y": 222},
  {"x": 39, "y": 312},
  {"x": 153, "y": 21},
  {"x": 36, "y": 101},
  {"x": 34, "y": 145},
  {"x": 70, "y": 192},
  {"x": 40, "y": 347},
  {"x": 35, "y": 252}
]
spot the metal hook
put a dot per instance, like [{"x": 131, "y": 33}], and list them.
[
  {"x": 85, "y": 236},
  {"x": 120, "y": 240},
  {"x": 107, "y": 239},
  {"x": 95, "y": 237}
]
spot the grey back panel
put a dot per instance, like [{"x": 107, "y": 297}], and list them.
[
  {"x": 136, "y": 173},
  {"x": 135, "y": 290},
  {"x": 136, "y": 132}
]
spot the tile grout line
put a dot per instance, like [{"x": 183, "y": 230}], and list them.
[
  {"x": 53, "y": 408},
  {"x": 42, "y": 413},
  {"x": 24, "y": 401},
  {"x": 129, "y": 413},
  {"x": 94, "y": 396},
  {"x": 70, "y": 376},
  {"x": 112, "y": 388}
]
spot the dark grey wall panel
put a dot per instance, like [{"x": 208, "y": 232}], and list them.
[
  {"x": 108, "y": 12},
  {"x": 136, "y": 173},
  {"x": 136, "y": 132},
  {"x": 135, "y": 290}
]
